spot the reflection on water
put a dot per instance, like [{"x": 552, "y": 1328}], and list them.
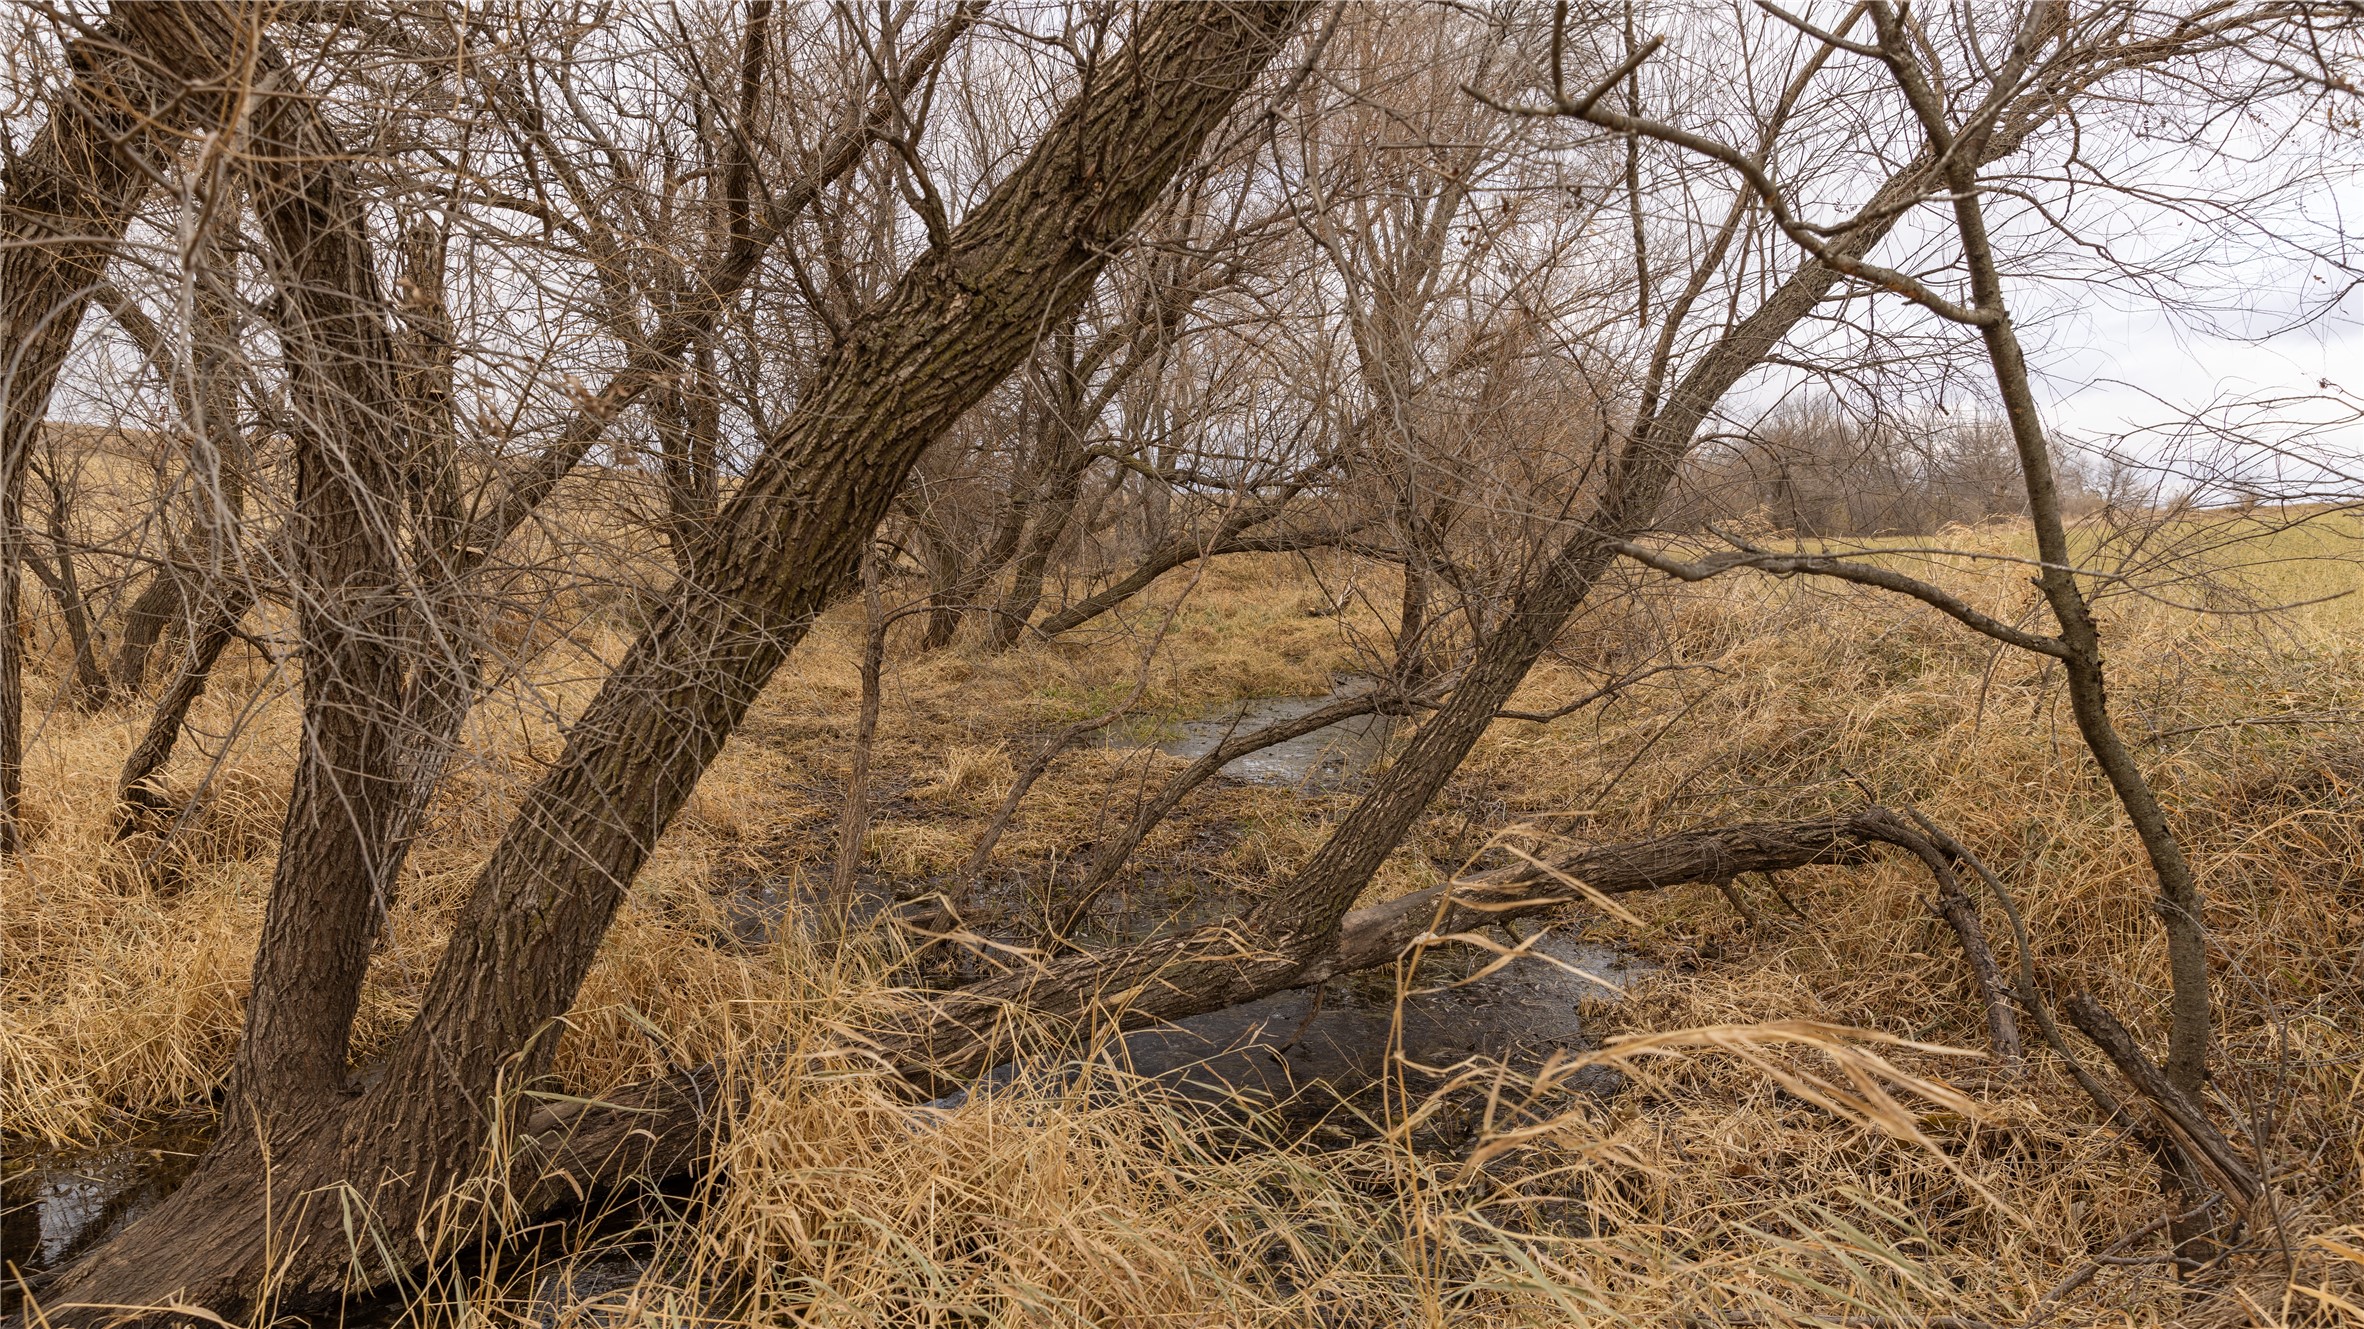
[
  {"x": 1320, "y": 760},
  {"x": 57, "y": 1203},
  {"x": 1303, "y": 1052}
]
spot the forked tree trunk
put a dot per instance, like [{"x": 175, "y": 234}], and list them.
[
  {"x": 958, "y": 321},
  {"x": 67, "y": 202}
]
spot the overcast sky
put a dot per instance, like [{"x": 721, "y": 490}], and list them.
[{"x": 2271, "y": 322}]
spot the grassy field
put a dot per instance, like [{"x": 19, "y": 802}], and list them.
[{"x": 1767, "y": 1167}]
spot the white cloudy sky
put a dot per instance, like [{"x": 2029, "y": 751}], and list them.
[{"x": 2271, "y": 315}]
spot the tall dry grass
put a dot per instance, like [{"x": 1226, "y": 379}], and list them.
[{"x": 1766, "y": 1172}]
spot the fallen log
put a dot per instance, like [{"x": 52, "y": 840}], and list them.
[{"x": 1378, "y": 934}]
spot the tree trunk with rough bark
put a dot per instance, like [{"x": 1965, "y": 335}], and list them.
[
  {"x": 64, "y": 205},
  {"x": 356, "y": 459},
  {"x": 1289, "y": 938},
  {"x": 958, "y": 321}
]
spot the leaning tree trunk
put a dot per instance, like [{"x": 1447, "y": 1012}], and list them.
[
  {"x": 152, "y": 613},
  {"x": 137, "y": 792},
  {"x": 958, "y": 321},
  {"x": 1287, "y": 940},
  {"x": 2181, "y": 905},
  {"x": 67, "y": 202},
  {"x": 356, "y": 461}
]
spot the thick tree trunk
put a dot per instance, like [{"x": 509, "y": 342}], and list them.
[
  {"x": 152, "y": 613},
  {"x": 355, "y": 462},
  {"x": 349, "y": 454},
  {"x": 67, "y": 202},
  {"x": 957, "y": 322}
]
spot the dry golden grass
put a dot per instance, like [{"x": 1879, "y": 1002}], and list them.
[{"x": 1717, "y": 1184}]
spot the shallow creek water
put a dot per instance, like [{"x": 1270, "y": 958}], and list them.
[
  {"x": 57, "y": 1203},
  {"x": 1306, "y": 1053},
  {"x": 1295, "y": 1057},
  {"x": 1323, "y": 759}
]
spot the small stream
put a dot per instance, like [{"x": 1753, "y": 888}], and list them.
[
  {"x": 1315, "y": 1056},
  {"x": 1317, "y": 762},
  {"x": 57, "y": 1203},
  {"x": 1295, "y": 1058}
]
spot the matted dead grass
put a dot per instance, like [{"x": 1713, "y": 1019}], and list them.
[{"x": 1724, "y": 1184}]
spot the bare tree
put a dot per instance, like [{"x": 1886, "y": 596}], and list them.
[
  {"x": 68, "y": 199},
  {"x": 692, "y": 314},
  {"x": 963, "y": 314}
]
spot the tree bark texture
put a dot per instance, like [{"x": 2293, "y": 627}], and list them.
[
  {"x": 957, "y": 322},
  {"x": 354, "y": 441},
  {"x": 66, "y": 204}
]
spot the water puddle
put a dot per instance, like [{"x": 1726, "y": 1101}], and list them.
[
  {"x": 57, "y": 1203},
  {"x": 1301, "y": 1055},
  {"x": 1322, "y": 760}
]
